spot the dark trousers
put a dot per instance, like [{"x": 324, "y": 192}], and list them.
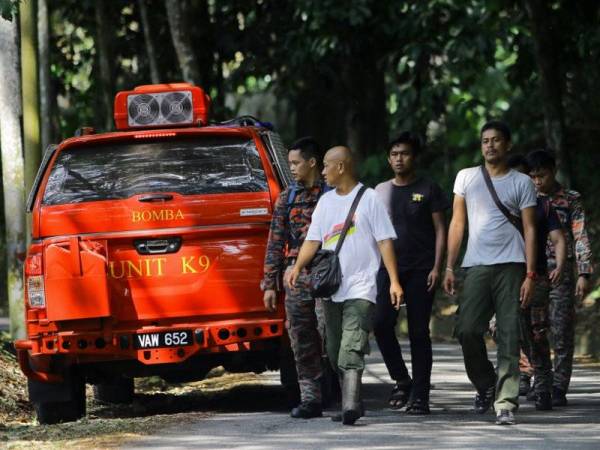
[
  {"x": 490, "y": 290},
  {"x": 418, "y": 313}
]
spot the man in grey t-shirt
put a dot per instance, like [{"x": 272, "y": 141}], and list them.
[{"x": 496, "y": 280}]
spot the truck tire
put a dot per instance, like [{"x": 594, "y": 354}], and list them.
[
  {"x": 118, "y": 390},
  {"x": 58, "y": 402}
]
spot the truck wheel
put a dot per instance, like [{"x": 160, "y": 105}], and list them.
[
  {"x": 58, "y": 402},
  {"x": 117, "y": 390}
]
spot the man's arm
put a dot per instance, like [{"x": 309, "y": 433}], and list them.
[
  {"x": 528, "y": 220},
  {"x": 439, "y": 225},
  {"x": 455, "y": 236},
  {"x": 386, "y": 248},
  {"x": 583, "y": 249},
  {"x": 560, "y": 249},
  {"x": 275, "y": 253},
  {"x": 306, "y": 254}
]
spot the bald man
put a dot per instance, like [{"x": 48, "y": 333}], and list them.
[{"x": 349, "y": 314}]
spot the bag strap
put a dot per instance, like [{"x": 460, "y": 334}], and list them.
[
  {"x": 361, "y": 191},
  {"x": 516, "y": 221},
  {"x": 291, "y": 201}
]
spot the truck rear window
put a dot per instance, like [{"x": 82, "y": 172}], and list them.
[{"x": 205, "y": 165}]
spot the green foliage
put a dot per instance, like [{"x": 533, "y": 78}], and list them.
[
  {"x": 446, "y": 67},
  {"x": 9, "y": 9}
]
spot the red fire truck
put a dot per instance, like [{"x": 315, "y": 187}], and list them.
[{"x": 147, "y": 252}]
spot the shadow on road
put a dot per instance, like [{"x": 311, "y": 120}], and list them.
[{"x": 243, "y": 398}]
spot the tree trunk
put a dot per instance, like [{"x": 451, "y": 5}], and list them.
[
  {"x": 551, "y": 83},
  {"x": 150, "y": 51},
  {"x": 105, "y": 59},
  {"x": 12, "y": 173},
  {"x": 366, "y": 114},
  {"x": 44, "y": 73},
  {"x": 180, "y": 33},
  {"x": 319, "y": 111},
  {"x": 29, "y": 83}
]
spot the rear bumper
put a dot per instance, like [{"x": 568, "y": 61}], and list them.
[{"x": 117, "y": 344}]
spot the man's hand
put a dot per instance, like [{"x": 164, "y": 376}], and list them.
[
  {"x": 432, "y": 279},
  {"x": 555, "y": 276},
  {"x": 526, "y": 292},
  {"x": 396, "y": 295},
  {"x": 582, "y": 287},
  {"x": 291, "y": 276},
  {"x": 449, "y": 283},
  {"x": 270, "y": 300}
]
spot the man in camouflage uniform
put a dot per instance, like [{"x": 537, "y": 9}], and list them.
[
  {"x": 535, "y": 347},
  {"x": 289, "y": 225},
  {"x": 567, "y": 204}
]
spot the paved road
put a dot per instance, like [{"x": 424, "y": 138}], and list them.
[{"x": 264, "y": 425}]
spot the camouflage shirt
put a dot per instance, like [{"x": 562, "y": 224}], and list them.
[
  {"x": 568, "y": 205},
  {"x": 288, "y": 230}
]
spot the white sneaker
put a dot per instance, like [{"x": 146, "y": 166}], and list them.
[{"x": 505, "y": 417}]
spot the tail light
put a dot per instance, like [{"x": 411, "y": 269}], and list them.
[{"x": 34, "y": 277}]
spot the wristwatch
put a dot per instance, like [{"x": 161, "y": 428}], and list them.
[
  {"x": 531, "y": 275},
  {"x": 585, "y": 275}
]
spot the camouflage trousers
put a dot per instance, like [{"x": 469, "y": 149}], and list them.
[
  {"x": 534, "y": 344},
  {"x": 562, "y": 327},
  {"x": 305, "y": 327}
]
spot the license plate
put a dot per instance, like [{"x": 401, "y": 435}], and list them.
[{"x": 163, "y": 339}]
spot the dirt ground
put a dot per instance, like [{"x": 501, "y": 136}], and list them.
[{"x": 156, "y": 405}]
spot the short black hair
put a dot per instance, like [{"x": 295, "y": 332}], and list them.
[
  {"x": 497, "y": 125},
  {"x": 541, "y": 159},
  {"x": 309, "y": 148},
  {"x": 517, "y": 159},
  {"x": 407, "y": 138}
]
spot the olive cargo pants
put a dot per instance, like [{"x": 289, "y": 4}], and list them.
[
  {"x": 488, "y": 290},
  {"x": 347, "y": 327}
]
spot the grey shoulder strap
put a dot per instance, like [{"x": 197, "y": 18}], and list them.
[
  {"x": 516, "y": 221},
  {"x": 361, "y": 191}
]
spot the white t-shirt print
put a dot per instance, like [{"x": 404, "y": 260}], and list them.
[{"x": 359, "y": 257}]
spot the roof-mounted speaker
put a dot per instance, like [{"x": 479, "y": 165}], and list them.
[{"x": 161, "y": 105}]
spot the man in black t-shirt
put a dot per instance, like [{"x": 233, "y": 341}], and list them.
[{"x": 416, "y": 206}]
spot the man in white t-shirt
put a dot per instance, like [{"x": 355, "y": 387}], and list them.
[
  {"x": 496, "y": 280},
  {"x": 349, "y": 314}
]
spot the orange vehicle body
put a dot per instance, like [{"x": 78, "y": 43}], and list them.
[{"x": 155, "y": 283}]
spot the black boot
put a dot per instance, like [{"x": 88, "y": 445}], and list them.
[
  {"x": 484, "y": 400},
  {"x": 543, "y": 401},
  {"x": 559, "y": 397},
  {"x": 351, "y": 404},
  {"x": 307, "y": 411},
  {"x": 348, "y": 413},
  {"x": 524, "y": 384}
]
